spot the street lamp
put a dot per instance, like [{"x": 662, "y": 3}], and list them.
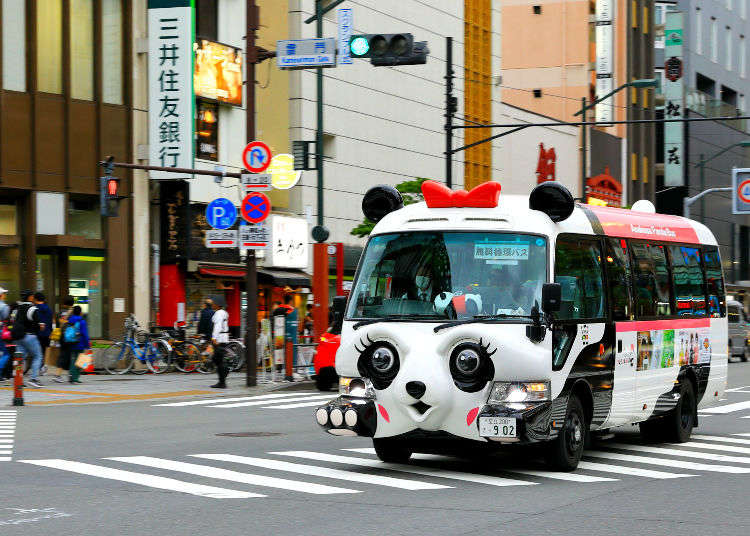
[
  {"x": 640, "y": 83},
  {"x": 702, "y": 165}
]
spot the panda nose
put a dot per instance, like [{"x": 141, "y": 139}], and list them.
[{"x": 416, "y": 389}]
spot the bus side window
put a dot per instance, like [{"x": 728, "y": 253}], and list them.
[
  {"x": 618, "y": 278},
  {"x": 687, "y": 278},
  {"x": 578, "y": 269},
  {"x": 652, "y": 282},
  {"x": 714, "y": 282}
]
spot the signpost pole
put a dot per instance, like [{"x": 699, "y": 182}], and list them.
[{"x": 251, "y": 277}]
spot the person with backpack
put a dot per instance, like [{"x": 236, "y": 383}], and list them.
[
  {"x": 63, "y": 362},
  {"x": 6, "y": 363},
  {"x": 26, "y": 327},
  {"x": 74, "y": 340}
]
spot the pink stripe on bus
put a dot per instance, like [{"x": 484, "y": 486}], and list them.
[{"x": 653, "y": 325}]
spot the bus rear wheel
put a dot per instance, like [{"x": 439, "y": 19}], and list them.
[
  {"x": 565, "y": 451},
  {"x": 391, "y": 451},
  {"x": 680, "y": 422}
]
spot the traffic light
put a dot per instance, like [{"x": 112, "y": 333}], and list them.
[
  {"x": 389, "y": 49},
  {"x": 108, "y": 195}
]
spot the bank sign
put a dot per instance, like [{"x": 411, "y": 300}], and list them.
[{"x": 170, "y": 95}]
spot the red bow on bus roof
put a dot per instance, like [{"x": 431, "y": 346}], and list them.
[{"x": 483, "y": 196}]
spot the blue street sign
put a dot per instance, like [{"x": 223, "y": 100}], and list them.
[
  {"x": 221, "y": 213},
  {"x": 346, "y": 22}
]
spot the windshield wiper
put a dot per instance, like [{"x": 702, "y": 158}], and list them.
[
  {"x": 394, "y": 318},
  {"x": 500, "y": 317}
]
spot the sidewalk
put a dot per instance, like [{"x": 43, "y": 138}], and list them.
[{"x": 108, "y": 389}]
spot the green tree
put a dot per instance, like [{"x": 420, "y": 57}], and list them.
[{"x": 411, "y": 191}]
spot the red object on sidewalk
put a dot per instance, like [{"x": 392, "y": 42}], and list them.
[
  {"x": 18, "y": 379},
  {"x": 320, "y": 288},
  {"x": 289, "y": 359}
]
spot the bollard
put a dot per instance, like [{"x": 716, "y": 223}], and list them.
[
  {"x": 18, "y": 379},
  {"x": 289, "y": 358}
]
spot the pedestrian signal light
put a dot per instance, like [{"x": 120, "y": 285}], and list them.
[{"x": 112, "y": 185}]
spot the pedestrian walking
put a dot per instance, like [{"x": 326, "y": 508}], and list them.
[
  {"x": 75, "y": 339},
  {"x": 219, "y": 339},
  {"x": 205, "y": 326},
  {"x": 26, "y": 327},
  {"x": 45, "y": 317},
  {"x": 63, "y": 359},
  {"x": 6, "y": 363}
]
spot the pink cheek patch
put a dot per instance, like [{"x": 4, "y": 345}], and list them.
[
  {"x": 384, "y": 413},
  {"x": 471, "y": 416}
]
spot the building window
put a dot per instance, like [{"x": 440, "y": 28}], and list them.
[
  {"x": 537, "y": 10},
  {"x": 728, "y": 46},
  {"x": 705, "y": 85},
  {"x": 86, "y": 285},
  {"x": 82, "y": 49},
  {"x": 10, "y": 275},
  {"x": 50, "y": 213},
  {"x": 537, "y": 93},
  {"x": 206, "y": 19},
  {"x": 714, "y": 40},
  {"x": 14, "y": 45},
  {"x": 698, "y": 33},
  {"x": 84, "y": 218},
  {"x": 208, "y": 131},
  {"x": 742, "y": 57},
  {"x": 112, "y": 51},
  {"x": 8, "y": 218},
  {"x": 49, "y": 46}
]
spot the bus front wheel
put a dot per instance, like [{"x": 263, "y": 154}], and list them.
[
  {"x": 391, "y": 451},
  {"x": 565, "y": 451}
]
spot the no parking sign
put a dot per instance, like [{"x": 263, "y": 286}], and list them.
[
  {"x": 741, "y": 191},
  {"x": 255, "y": 207}
]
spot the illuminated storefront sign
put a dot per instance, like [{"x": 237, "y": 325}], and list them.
[
  {"x": 218, "y": 72},
  {"x": 207, "y": 129}
]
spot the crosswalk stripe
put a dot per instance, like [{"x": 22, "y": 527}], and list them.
[
  {"x": 441, "y": 473},
  {"x": 351, "y": 476},
  {"x": 710, "y": 446},
  {"x": 683, "y": 453},
  {"x": 319, "y": 398},
  {"x": 573, "y": 477},
  {"x": 235, "y": 399},
  {"x": 728, "y": 408},
  {"x": 607, "y": 468},
  {"x": 745, "y": 435},
  {"x": 721, "y": 439},
  {"x": 234, "y": 476},
  {"x": 143, "y": 479},
  {"x": 301, "y": 405},
  {"x": 734, "y": 389},
  {"x": 4, "y": 458},
  {"x": 666, "y": 462}
]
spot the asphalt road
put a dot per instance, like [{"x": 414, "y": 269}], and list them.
[{"x": 61, "y": 479}]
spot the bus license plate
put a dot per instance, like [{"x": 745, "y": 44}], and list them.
[{"x": 497, "y": 427}]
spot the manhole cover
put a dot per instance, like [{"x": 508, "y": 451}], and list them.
[{"x": 250, "y": 434}]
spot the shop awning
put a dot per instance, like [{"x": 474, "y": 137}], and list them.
[
  {"x": 228, "y": 273},
  {"x": 282, "y": 278}
]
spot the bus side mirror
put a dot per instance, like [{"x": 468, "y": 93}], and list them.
[
  {"x": 339, "y": 307},
  {"x": 551, "y": 297}
]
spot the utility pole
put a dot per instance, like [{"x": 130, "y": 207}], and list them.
[
  {"x": 450, "y": 108},
  {"x": 584, "y": 143}
]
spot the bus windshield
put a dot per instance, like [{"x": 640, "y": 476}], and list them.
[{"x": 453, "y": 275}]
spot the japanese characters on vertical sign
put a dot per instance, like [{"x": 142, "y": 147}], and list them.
[
  {"x": 170, "y": 71},
  {"x": 674, "y": 101},
  {"x": 604, "y": 58},
  {"x": 174, "y": 221}
]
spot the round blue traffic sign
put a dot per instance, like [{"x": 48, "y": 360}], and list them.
[
  {"x": 255, "y": 207},
  {"x": 221, "y": 213}
]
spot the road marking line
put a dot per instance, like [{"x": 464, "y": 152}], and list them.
[
  {"x": 236, "y": 399},
  {"x": 4, "y": 459},
  {"x": 665, "y": 462},
  {"x": 573, "y": 477},
  {"x": 302, "y": 405},
  {"x": 745, "y": 435},
  {"x": 728, "y": 408},
  {"x": 682, "y": 453},
  {"x": 707, "y": 446},
  {"x": 441, "y": 473},
  {"x": 118, "y": 398},
  {"x": 735, "y": 389},
  {"x": 234, "y": 476},
  {"x": 648, "y": 473},
  {"x": 143, "y": 479},
  {"x": 351, "y": 476},
  {"x": 320, "y": 398},
  {"x": 721, "y": 439}
]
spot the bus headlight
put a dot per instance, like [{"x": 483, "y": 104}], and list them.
[
  {"x": 509, "y": 392},
  {"x": 359, "y": 387}
]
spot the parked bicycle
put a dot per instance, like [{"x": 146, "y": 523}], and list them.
[{"x": 139, "y": 352}]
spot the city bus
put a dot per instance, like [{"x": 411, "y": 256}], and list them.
[{"x": 526, "y": 319}]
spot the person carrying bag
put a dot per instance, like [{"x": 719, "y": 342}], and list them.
[{"x": 75, "y": 339}]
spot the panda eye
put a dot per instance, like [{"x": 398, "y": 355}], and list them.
[
  {"x": 378, "y": 361},
  {"x": 471, "y": 366}
]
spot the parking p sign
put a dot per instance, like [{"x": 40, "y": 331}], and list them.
[{"x": 741, "y": 191}]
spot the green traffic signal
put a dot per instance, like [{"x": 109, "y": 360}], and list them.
[{"x": 359, "y": 46}]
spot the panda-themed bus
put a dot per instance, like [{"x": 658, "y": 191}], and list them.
[{"x": 526, "y": 319}]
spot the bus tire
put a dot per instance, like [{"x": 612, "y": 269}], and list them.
[
  {"x": 652, "y": 430},
  {"x": 565, "y": 451},
  {"x": 746, "y": 353},
  {"x": 391, "y": 451},
  {"x": 679, "y": 423}
]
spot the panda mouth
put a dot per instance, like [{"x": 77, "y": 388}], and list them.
[{"x": 421, "y": 407}]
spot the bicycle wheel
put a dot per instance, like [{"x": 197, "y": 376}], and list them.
[
  {"x": 206, "y": 364},
  {"x": 234, "y": 356},
  {"x": 157, "y": 359},
  {"x": 118, "y": 358},
  {"x": 186, "y": 357},
  {"x": 140, "y": 365}
]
